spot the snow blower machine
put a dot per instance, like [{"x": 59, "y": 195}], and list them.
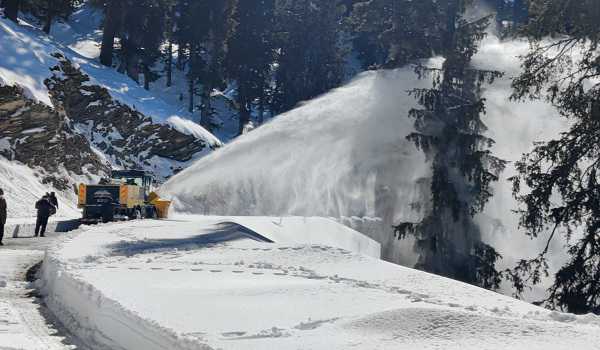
[{"x": 127, "y": 195}]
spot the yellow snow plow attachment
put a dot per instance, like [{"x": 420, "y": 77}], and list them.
[{"x": 162, "y": 205}]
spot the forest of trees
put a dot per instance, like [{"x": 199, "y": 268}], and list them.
[{"x": 278, "y": 53}]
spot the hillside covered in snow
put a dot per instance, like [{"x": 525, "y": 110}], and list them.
[{"x": 70, "y": 120}]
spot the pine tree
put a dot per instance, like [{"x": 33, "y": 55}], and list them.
[
  {"x": 310, "y": 59},
  {"x": 449, "y": 130},
  {"x": 204, "y": 27},
  {"x": 562, "y": 175},
  {"x": 11, "y": 9},
  {"x": 112, "y": 25},
  {"x": 393, "y": 33},
  {"x": 251, "y": 53},
  {"x": 520, "y": 12},
  {"x": 220, "y": 28},
  {"x": 49, "y": 10}
]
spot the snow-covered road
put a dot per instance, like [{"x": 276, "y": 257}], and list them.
[
  {"x": 23, "y": 320},
  {"x": 277, "y": 283}
]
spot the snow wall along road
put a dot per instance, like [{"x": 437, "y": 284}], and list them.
[{"x": 345, "y": 155}]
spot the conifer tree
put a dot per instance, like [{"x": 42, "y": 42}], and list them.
[
  {"x": 49, "y": 10},
  {"x": 310, "y": 59},
  {"x": 562, "y": 175},
  {"x": 520, "y": 12},
  {"x": 251, "y": 53},
  {"x": 449, "y": 130},
  {"x": 204, "y": 28},
  {"x": 112, "y": 24},
  {"x": 393, "y": 33},
  {"x": 11, "y": 9}
]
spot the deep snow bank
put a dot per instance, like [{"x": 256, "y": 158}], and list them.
[{"x": 191, "y": 284}]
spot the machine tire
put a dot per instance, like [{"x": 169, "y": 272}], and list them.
[
  {"x": 153, "y": 213},
  {"x": 137, "y": 214},
  {"x": 108, "y": 214}
]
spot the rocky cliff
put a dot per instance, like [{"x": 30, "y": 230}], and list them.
[
  {"x": 44, "y": 139},
  {"x": 128, "y": 138},
  {"x": 87, "y": 133}
]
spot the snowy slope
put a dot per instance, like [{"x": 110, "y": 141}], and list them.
[
  {"x": 23, "y": 187},
  {"x": 26, "y": 59},
  {"x": 188, "y": 284}
]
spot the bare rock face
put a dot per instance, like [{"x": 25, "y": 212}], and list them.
[
  {"x": 128, "y": 138},
  {"x": 34, "y": 134}
]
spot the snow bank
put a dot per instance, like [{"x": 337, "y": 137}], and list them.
[{"x": 193, "y": 283}]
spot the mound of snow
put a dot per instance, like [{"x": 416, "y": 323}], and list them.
[{"x": 218, "y": 283}]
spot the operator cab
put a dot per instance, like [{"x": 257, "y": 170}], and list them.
[{"x": 139, "y": 178}]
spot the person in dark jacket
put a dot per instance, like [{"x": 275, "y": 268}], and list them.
[
  {"x": 3, "y": 215},
  {"x": 53, "y": 200},
  {"x": 44, "y": 210}
]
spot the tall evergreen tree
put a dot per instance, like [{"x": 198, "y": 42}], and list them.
[
  {"x": 393, "y": 33},
  {"x": 310, "y": 59},
  {"x": 112, "y": 24},
  {"x": 11, "y": 9},
  {"x": 449, "y": 130},
  {"x": 251, "y": 52},
  {"x": 49, "y": 10},
  {"x": 520, "y": 12},
  {"x": 562, "y": 175},
  {"x": 204, "y": 28}
]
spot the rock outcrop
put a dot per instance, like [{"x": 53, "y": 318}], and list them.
[
  {"x": 44, "y": 139},
  {"x": 127, "y": 137}
]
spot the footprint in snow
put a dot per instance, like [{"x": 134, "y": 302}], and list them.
[
  {"x": 134, "y": 268},
  {"x": 233, "y": 334},
  {"x": 197, "y": 270},
  {"x": 258, "y": 273},
  {"x": 215, "y": 271},
  {"x": 175, "y": 269},
  {"x": 238, "y": 271},
  {"x": 157, "y": 268}
]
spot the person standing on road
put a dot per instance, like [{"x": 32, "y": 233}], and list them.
[
  {"x": 44, "y": 210},
  {"x": 3, "y": 215}
]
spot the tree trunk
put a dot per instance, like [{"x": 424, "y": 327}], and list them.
[
  {"x": 451, "y": 25},
  {"x": 11, "y": 9},
  {"x": 49, "y": 19},
  {"x": 111, "y": 26},
  {"x": 191, "y": 92},
  {"x": 180, "y": 56},
  {"x": 244, "y": 117},
  {"x": 133, "y": 67},
  {"x": 205, "y": 107},
  {"x": 170, "y": 64},
  {"x": 146, "y": 77},
  {"x": 261, "y": 106}
]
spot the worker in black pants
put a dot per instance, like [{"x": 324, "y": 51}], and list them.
[{"x": 44, "y": 208}]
